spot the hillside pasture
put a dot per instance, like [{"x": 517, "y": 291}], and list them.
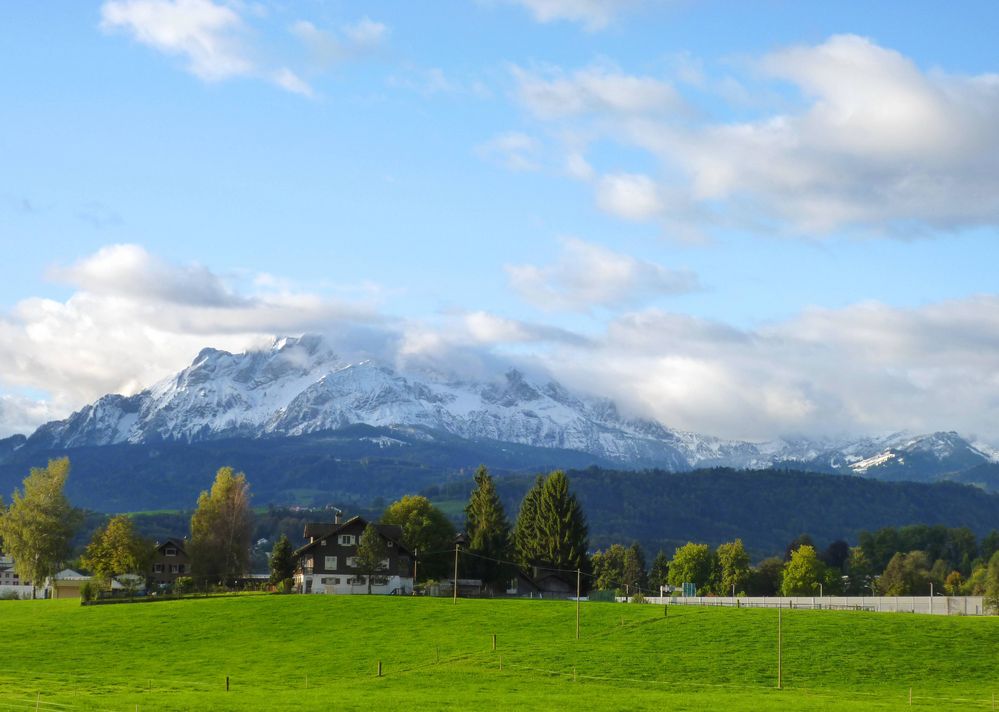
[{"x": 322, "y": 652}]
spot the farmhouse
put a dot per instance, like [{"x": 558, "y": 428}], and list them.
[
  {"x": 170, "y": 561},
  {"x": 326, "y": 564}
]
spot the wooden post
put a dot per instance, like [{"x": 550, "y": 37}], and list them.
[
  {"x": 501, "y": 664},
  {"x": 379, "y": 668},
  {"x": 910, "y": 697},
  {"x": 226, "y": 683},
  {"x": 573, "y": 673},
  {"x": 456, "y": 573},
  {"x": 416, "y": 555},
  {"x": 494, "y": 641},
  {"x": 38, "y": 700},
  {"x": 578, "y": 589},
  {"x": 779, "y": 660},
  {"x": 306, "y": 681},
  {"x": 437, "y": 648}
]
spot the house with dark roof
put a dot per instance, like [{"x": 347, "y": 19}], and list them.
[
  {"x": 326, "y": 563},
  {"x": 170, "y": 561}
]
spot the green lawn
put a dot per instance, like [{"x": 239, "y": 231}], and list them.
[{"x": 321, "y": 652}]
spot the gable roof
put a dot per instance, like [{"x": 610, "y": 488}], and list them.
[
  {"x": 389, "y": 532},
  {"x": 178, "y": 544}
]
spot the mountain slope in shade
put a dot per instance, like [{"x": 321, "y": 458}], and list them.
[{"x": 300, "y": 386}]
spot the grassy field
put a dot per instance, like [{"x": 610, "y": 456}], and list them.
[{"x": 321, "y": 652}]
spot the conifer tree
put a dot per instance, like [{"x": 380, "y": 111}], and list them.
[
  {"x": 561, "y": 526},
  {"x": 487, "y": 529},
  {"x": 282, "y": 561},
  {"x": 659, "y": 572},
  {"x": 525, "y": 531}
]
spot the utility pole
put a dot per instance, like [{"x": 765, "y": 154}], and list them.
[
  {"x": 779, "y": 661},
  {"x": 578, "y": 575},
  {"x": 456, "y": 573},
  {"x": 416, "y": 555}
]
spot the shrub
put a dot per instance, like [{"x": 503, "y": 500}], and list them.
[
  {"x": 638, "y": 598},
  {"x": 183, "y": 584},
  {"x": 89, "y": 591},
  {"x": 10, "y": 596}
]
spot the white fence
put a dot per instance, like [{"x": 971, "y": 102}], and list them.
[{"x": 936, "y": 605}]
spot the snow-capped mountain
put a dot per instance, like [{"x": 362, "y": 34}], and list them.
[{"x": 300, "y": 386}]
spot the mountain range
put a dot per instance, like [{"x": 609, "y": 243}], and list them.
[
  {"x": 309, "y": 426},
  {"x": 300, "y": 386}
]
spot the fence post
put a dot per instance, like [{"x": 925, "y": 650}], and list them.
[
  {"x": 226, "y": 683},
  {"x": 494, "y": 641},
  {"x": 379, "y": 668}
]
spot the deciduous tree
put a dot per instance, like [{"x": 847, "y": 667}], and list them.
[
  {"x": 116, "y": 549},
  {"x": 37, "y": 526},
  {"x": 221, "y": 528},
  {"x": 803, "y": 573},
  {"x": 733, "y": 567},
  {"x": 426, "y": 530},
  {"x": 372, "y": 553},
  {"x": 692, "y": 563}
]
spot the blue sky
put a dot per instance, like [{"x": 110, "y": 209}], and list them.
[{"x": 749, "y": 219}]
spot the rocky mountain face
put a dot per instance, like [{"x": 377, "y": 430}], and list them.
[{"x": 299, "y": 386}]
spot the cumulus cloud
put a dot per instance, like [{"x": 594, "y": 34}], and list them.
[
  {"x": 214, "y": 40},
  {"x": 866, "y": 368},
  {"x": 592, "y": 14},
  {"x": 587, "y": 276},
  {"x": 630, "y": 196},
  {"x": 134, "y": 319},
  {"x": 19, "y": 415},
  {"x": 873, "y": 143}
]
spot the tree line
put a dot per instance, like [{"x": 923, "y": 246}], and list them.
[{"x": 916, "y": 560}]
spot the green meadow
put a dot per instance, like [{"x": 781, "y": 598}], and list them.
[{"x": 322, "y": 653}]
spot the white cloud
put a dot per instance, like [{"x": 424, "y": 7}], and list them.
[
  {"x": 212, "y": 38},
  {"x": 19, "y": 415},
  {"x": 329, "y": 48},
  {"x": 875, "y": 143},
  {"x": 207, "y": 35},
  {"x": 869, "y": 368},
  {"x": 629, "y": 196},
  {"x": 134, "y": 318},
  {"x": 592, "y": 14},
  {"x": 553, "y": 94},
  {"x": 366, "y": 32},
  {"x": 513, "y": 150},
  {"x": 587, "y": 276}
]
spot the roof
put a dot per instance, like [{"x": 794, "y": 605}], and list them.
[
  {"x": 179, "y": 544},
  {"x": 390, "y": 532}
]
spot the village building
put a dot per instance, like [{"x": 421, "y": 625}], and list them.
[
  {"x": 170, "y": 561},
  {"x": 10, "y": 583},
  {"x": 327, "y": 563}
]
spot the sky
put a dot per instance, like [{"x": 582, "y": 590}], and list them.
[{"x": 752, "y": 220}]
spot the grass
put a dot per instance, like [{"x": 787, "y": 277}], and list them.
[{"x": 176, "y": 655}]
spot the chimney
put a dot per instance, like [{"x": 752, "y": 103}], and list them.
[{"x": 337, "y": 514}]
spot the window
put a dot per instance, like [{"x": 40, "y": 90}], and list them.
[
  {"x": 389, "y": 543},
  {"x": 157, "y": 568},
  {"x": 352, "y": 562},
  {"x": 174, "y": 569},
  {"x": 330, "y": 564},
  {"x": 347, "y": 539},
  {"x": 379, "y": 581},
  {"x": 170, "y": 551},
  {"x": 180, "y": 568}
]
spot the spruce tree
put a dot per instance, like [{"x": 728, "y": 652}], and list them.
[
  {"x": 488, "y": 531},
  {"x": 525, "y": 531},
  {"x": 561, "y": 526}
]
